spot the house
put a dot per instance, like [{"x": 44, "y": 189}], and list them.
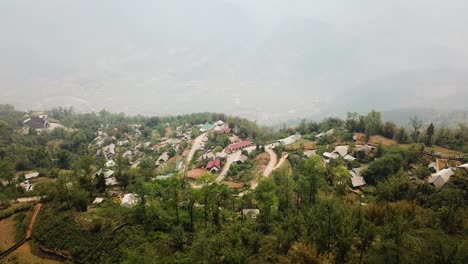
[
  {"x": 330, "y": 155},
  {"x": 328, "y": 133},
  {"x": 241, "y": 159},
  {"x": 37, "y": 122},
  {"x": 238, "y": 146},
  {"x": 289, "y": 140},
  {"x": 130, "y": 200},
  {"x": 208, "y": 155},
  {"x": 31, "y": 175},
  {"x": 465, "y": 166},
  {"x": 365, "y": 148},
  {"x": 109, "y": 151},
  {"x": 219, "y": 123},
  {"x": 163, "y": 158},
  {"x": 341, "y": 150},
  {"x": 441, "y": 178},
  {"x": 110, "y": 163},
  {"x": 206, "y": 127},
  {"x": 27, "y": 185},
  {"x": 98, "y": 200},
  {"x": 111, "y": 181},
  {"x": 147, "y": 144},
  {"x": 164, "y": 177},
  {"x": 252, "y": 213},
  {"x": 309, "y": 153},
  {"x": 105, "y": 173},
  {"x": 214, "y": 166},
  {"x": 349, "y": 158},
  {"x": 122, "y": 143},
  {"x": 357, "y": 181},
  {"x": 221, "y": 155}
]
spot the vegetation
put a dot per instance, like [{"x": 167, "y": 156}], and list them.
[{"x": 308, "y": 211}]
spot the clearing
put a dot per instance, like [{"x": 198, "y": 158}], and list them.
[
  {"x": 301, "y": 144},
  {"x": 8, "y": 232}
]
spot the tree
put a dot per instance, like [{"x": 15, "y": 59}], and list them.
[
  {"x": 416, "y": 124},
  {"x": 7, "y": 171},
  {"x": 401, "y": 136},
  {"x": 382, "y": 168},
  {"x": 373, "y": 122},
  {"x": 340, "y": 179},
  {"x": 389, "y": 130},
  {"x": 285, "y": 188},
  {"x": 64, "y": 158},
  {"x": 101, "y": 183},
  {"x": 312, "y": 171},
  {"x": 429, "y": 134},
  {"x": 352, "y": 122},
  {"x": 265, "y": 194}
]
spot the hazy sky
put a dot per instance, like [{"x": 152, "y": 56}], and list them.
[{"x": 263, "y": 59}]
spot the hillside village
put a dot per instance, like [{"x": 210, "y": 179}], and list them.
[{"x": 199, "y": 171}]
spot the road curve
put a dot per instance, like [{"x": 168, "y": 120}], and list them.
[
  {"x": 230, "y": 159},
  {"x": 272, "y": 163}
]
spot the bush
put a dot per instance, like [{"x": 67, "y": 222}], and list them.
[
  {"x": 10, "y": 211},
  {"x": 422, "y": 172}
]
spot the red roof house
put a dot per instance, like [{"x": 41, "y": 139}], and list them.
[
  {"x": 237, "y": 146},
  {"x": 214, "y": 165}
]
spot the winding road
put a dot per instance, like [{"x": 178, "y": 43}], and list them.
[
  {"x": 195, "y": 146},
  {"x": 230, "y": 159},
  {"x": 272, "y": 165}
]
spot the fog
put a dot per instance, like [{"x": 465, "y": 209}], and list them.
[{"x": 267, "y": 60}]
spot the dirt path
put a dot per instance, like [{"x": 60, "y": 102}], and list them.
[
  {"x": 272, "y": 163},
  {"x": 37, "y": 207},
  {"x": 196, "y": 145},
  {"x": 280, "y": 163},
  {"x": 271, "y": 166},
  {"x": 230, "y": 159}
]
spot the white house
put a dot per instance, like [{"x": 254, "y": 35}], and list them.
[
  {"x": 130, "y": 200},
  {"x": 441, "y": 178}
]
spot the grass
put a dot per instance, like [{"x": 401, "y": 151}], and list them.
[
  {"x": 8, "y": 232},
  {"x": 262, "y": 159},
  {"x": 301, "y": 144},
  {"x": 443, "y": 151}
]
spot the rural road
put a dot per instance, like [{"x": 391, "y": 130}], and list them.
[
  {"x": 37, "y": 207},
  {"x": 230, "y": 159},
  {"x": 272, "y": 163},
  {"x": 195, "y": 146}
]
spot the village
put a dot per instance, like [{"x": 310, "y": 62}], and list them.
[
  {"x": 179, "y": 153},
  {"x": 200, "y": 157}
]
